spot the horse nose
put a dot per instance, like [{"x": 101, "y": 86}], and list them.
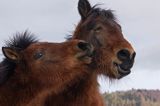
[
  {"x": 84, "y": 46},
  {"x": 133, "y": 56},
  {"x": 125, "y": 55},
  {"x": 127, "y": 60}
]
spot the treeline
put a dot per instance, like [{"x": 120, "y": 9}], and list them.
[{"x": 133, "y": 98}]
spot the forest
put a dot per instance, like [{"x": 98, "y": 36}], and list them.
[{"x": 134, "y": 97}]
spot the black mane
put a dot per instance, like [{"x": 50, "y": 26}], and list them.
[{"x": 20, "y": 41}]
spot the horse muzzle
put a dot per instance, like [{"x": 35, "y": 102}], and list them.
[{"x": 127, "y": 61}]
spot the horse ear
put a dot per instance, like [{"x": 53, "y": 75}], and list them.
[
  {"x": 84, "y": 7},
  {"x": 11, "y": 54}
]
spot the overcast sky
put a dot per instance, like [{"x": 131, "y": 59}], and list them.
[{"x": 52, "y": 20}]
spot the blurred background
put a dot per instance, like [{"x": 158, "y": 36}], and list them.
[{"x": 53, "y": 20}]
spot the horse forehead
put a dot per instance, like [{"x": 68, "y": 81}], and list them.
[
  {"x": 100, "y": 19},
  {"x": 56, "y": 47},
  {"x": 49, "y": 46},
  {"x": 35, "y": 46},
  {"x": 41, "y": 44}
]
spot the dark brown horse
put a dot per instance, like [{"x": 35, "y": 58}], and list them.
[
  {"x": 32, "y": 70},
  {"x": 114, "y": 55}
]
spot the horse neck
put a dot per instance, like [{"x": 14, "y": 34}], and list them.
[
  {"x": 19, "y": 89},
  {"x": 88, "y": 93},
  {"x": 87, "y": 84},
  {"x": 83, "y": 93}
]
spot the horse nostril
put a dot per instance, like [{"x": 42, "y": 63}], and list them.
[
  {"x": 134, "y": 55},
  {"x": 84, "y": 46},
  {"x": 123, "y": 55}
]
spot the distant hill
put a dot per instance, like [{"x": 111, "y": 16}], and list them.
[{"x": 133, "y": 97}]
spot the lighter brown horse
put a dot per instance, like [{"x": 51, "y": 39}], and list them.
[
  {"x": 114, "y": 56},
  {"x": 33, "y": 70}
]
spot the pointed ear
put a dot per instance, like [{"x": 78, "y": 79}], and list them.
[
  {"x": 84, "y": 7},
  {"x": 11, "y": 54}
]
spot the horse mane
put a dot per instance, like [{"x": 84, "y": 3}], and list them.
[
  {"x": 96, "y": 11},
  {"x": 20, "y": 41}
]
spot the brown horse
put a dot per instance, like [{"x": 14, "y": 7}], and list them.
[
  {"x": 114, "y": 55},
  {"x": 32, "y": 70}
]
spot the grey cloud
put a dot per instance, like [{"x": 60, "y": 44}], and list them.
[{"x": 149, "y": 58}]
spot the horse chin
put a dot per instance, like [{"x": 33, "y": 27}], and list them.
[
  {"x": 120, "y": 71},
  {"x": 86, "y": 59}
]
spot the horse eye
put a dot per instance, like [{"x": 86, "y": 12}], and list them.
[
  {"x": 38, "y": 55},
  {"x": 98, "y": 28}
]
